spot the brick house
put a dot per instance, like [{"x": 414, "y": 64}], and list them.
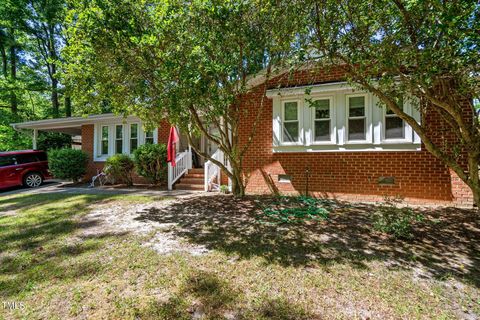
[{"x": 335, "y": 142}]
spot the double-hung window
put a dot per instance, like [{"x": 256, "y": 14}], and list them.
[
  {"x": 357, "y": 119},
  {"x": 133, "y": 137},
  {"x": 104, "y": 141},
  {"x": 118, "y": 138},
  {"x": 338, "y": 118},
  {"x": 291, "y": 123},
  {"x": 394, "y": 125},
  {"x": 322, "y": 122},
  {"x": 149, "y": 137}
]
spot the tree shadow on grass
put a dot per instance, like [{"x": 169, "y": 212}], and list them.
[
  {"x": 447, "y": 244},
  {"x": 205, "y": 296},
  {"x": 35, "y": 243}
]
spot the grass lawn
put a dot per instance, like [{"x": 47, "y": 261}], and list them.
[{"x": 334, "y": 269}]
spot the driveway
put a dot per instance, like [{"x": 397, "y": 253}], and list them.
[{"x": 57, "y": 186}]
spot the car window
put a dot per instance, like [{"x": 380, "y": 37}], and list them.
[
  {"x": 27, "y": 158},
  {"x": 42, "y": 156},
  {"x": 7, "y": 161}
]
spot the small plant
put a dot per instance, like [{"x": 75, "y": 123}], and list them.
[
  {"x": 394, "y": 220},
  {"x": 151, "y": 162},
  {"x": 297, "y": 209},
  {"x": 224, "y": 189},
  {"x": 69, "y": 164},
  {"x": 120, "y": 167}
]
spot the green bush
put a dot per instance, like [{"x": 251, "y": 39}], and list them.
[
  {"x": 120, "y": 167},
  {"x": 394, "y": 220},
  {"x": 151, "y": 162},
  {"x": 67, "y": 164}
]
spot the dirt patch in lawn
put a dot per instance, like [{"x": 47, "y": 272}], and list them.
[
  {"x": 444, "y": 253},
  {"x": 120, "y": 217},
  {"x": 446, "y": 243},
  {"x": 445, "y": 247}
]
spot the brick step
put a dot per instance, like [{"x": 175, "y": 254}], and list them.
[
  {"x": 187, "y": 186},
  {"x": 191, "y": 180},
  {"x": 194, "y": 175},
  {"x": 196, "y": 170}
]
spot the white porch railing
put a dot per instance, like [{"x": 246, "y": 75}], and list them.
[
  {"x": 183, "y": 162},
  {"x": 213, "y": 172}
]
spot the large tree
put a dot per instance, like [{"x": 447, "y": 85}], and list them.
[
  {"x": 188, "y": 61},
  {"x": 45, "y": 27},
  {"x": 427, "y": 51},
  {"x": 12, "y": 18}
]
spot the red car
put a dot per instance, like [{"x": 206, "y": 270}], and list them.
[{"x": 27, "y": 167}]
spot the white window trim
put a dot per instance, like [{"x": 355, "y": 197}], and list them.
[
  {"x": 129, "y": 145},
  {"x": 299, "y": 120},
  {"x": 333, "y": 121},
  {"x": 97, "y": 136},
  {"x": 115, "y": 138},
  {"x": 368, "y": 118},
  {"x": 340, "y": 93},
  {"x": 101, "y": 140},
  {"x": 407, "y": 129},
  {"x": 145, "y": 136}
]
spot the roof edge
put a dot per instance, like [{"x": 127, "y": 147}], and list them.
[{"x": 66, "y": 122}]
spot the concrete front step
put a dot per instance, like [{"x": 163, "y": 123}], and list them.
[{"x": 187, "y": 186}]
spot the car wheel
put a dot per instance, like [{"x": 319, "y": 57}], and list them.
[{"x": 32, "y": 180}]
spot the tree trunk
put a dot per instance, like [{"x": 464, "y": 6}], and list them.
[
  {"x": 68, "y": 106},
  {"x": 473, "y": 172},
  {"x": 238, "y": 187},
  {"x": 55, "y": 107},
  {"x": 4, "y": 61},
  {"x": 13, "y": 75},
  {"x": 476, "y": 198}
]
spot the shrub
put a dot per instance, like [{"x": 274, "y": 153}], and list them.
[
  {"x": 67, "y": 164},
  {"x": 396, "y": 221},
  {"x": 120, "y": 167},
  {"x": 224, "y": 189},
  {"x": 151, "y": 162}
]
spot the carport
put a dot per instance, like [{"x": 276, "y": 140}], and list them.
[{"x": 71, "y": 126}]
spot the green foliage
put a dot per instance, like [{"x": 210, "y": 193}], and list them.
[
  {"x": 9, "y": 138},
  {"x": 151, "y": 162},
  {"x": 396, "y": 221},
  {"x": 425, "y": 53},
  {"x": 68, "y": 164},
  {"x": 192, "y": 61},
  {"x": 120, "y": 167},
  {"x": 298, "y": 209},
  {"x": 224, "y": 189},
  {"x": 53, "y": 140}
]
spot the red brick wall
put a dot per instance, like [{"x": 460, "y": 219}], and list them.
[
  {"x": 163, "y": 132},
  {"x": 419, "y": 176},
  {"x": 87, "y": 146}
]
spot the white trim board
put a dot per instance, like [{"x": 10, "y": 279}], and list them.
[
  {"x": 72, "y": 121},
  {"x": 374, "y": 117}
]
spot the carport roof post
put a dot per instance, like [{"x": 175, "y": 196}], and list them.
[{"x": 34, "y": 139}]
